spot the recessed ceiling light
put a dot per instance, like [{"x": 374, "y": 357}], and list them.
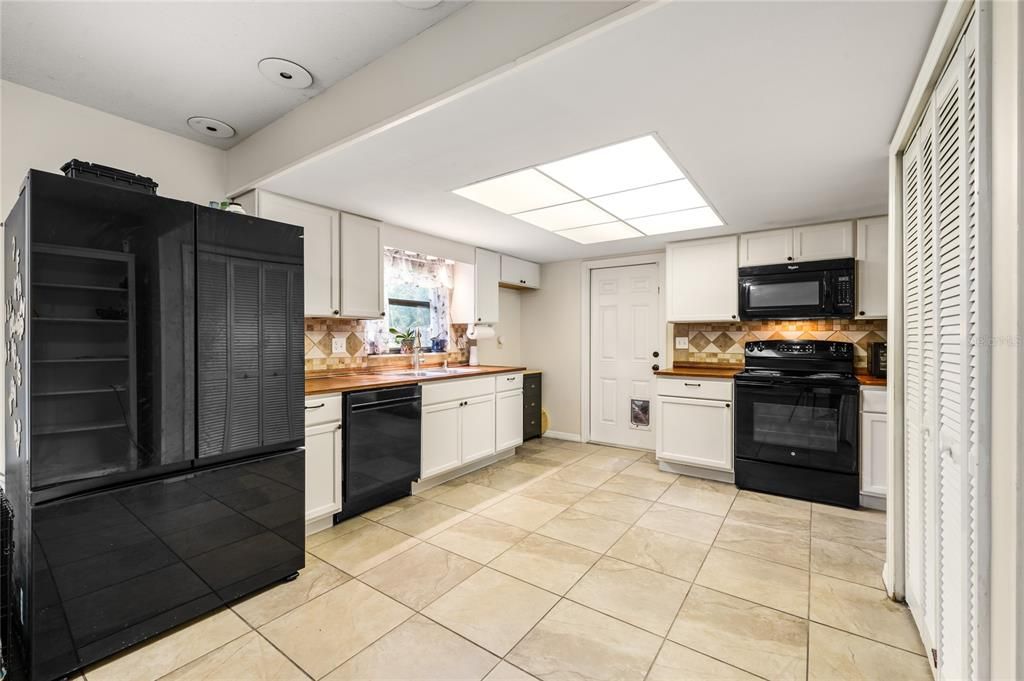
[
  {"x": 661, "y": 198},
  {"x": 566, "y": 216},
  {"x": 517, "y": 192},
  {"x": 285, "y": 73},
  {"x": 612, "y": 231},
  {"x": 628, "y": 165},
  {"x": 678, "y": 221},
  {"x": 210, "y": 127}
]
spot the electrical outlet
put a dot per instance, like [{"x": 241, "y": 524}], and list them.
[
  {"x": 337, "y": 345},
  {"x": 682, "y": 343}
]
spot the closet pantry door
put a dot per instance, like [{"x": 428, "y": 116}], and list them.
[{"x": 944, "y": 315}]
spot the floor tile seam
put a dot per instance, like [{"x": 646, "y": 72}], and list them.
[
  {"x": 85, "y": 673},
  {"x": 296, "y": 607},
  {"x": 412, "y": 614},
  {"x": 767, "y": 560},
  {"x": 923, "y": 656},
  {"x": 286, "y": 656},
  {"x": 840, "y": 628},
  {"x": 716, "y": 659}
]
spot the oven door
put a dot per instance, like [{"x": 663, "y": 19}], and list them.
[
  {"x": 795, "y": 295},
  {"x": 811, "y": 426}
]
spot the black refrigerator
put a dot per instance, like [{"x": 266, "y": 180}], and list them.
[{"x": 154, "y": 414}]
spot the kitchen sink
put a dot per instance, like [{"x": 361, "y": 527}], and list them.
[{"x": 431, "y": 372}]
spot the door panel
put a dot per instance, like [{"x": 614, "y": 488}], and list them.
[
  {"x": 625, "y": 322},
  {"x": 250, "y": 334},
  {"x": 323, "y": 471},
  {"x": 509, "y": 420},
  {"x": 110, "y": 298},
  {"x": 477, "y": 424},
  {"x": 441, "y": 439},
  {"x": 695, "y": 432}
]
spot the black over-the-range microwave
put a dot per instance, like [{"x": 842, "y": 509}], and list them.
[{"x": 798, "y": 290}]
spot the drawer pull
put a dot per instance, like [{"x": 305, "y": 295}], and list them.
[
  {"x": 316, "y": 406},
  {"x": 692, "y": 385}
]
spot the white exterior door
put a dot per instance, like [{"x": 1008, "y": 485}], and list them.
[{"x": 624, "y": 335}]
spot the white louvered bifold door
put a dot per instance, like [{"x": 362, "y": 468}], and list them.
[{"x": 944, "y": 313}]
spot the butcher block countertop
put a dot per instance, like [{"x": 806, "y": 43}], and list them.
[
  {"x": 339, "y": 383},
  {"x": 696, "y": 370}
]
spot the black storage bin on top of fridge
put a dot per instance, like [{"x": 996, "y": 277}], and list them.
[{"x": 94, "y": 172}]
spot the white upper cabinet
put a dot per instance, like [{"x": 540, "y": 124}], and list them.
[
  {"x": 872, "y": 267},
  {"x": 344, "y": 259},
  {"x": 362, "y": 268},
  {"x": 701, "y": 280},
  {"x": 321, "y": 248},
  {"x": 487, "y": 276},
  {"x": 796, "y": 244},
  {"x": 766, "y": 248},
  {"x": 516, "y": 273},
  {"x": 823, "y": 242}
]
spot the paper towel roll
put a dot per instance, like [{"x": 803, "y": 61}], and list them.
[{"x": 480, "y": 332}]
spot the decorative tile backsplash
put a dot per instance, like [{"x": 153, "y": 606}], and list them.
[
  {"x": 321, "y": 332},
  {"x": 722, "y": 342}
]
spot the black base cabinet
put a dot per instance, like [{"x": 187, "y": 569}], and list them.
[{"x": 531, "y": 406}]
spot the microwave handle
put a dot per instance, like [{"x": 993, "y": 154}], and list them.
[{"x": 828, "y": 288}]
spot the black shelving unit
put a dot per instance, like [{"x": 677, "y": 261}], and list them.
[{"x": 84, "y": 382}]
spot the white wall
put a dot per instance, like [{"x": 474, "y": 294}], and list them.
[
  {"x": 551, "y": 341},
  {"x": 509, "y": 330},
  {"x": 43, "y": 132}
]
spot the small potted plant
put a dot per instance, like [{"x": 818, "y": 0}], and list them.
[{"x": 406, "y": 340}]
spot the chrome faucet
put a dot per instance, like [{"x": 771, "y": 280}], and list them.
[{"x": 416, "y": 350}]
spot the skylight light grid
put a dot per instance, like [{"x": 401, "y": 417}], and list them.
[
  {"x": 621, "y": 191},
  {"x": 628, "y": 165},
  {"x": 517, "y": 192},
  {"x": 679, "y": 221},
  {"x": 566, "y": 216},
  {"x": 612, "y": 231}
]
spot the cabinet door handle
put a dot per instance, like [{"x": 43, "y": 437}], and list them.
[
  {"x": 337, "y": 312},
  {"x": 655, "y": 367},
  {"x": 728, "y": 406},
  {"x": 692, "y": 385},
  {"x": 316, "y": 406}
]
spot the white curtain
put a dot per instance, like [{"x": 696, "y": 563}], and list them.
[{"x": 423, "y": 271}]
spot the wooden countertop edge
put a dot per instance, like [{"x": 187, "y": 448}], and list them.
[
  {"x": 339, "y": 384},
  {"x": 729, "y": 372}
]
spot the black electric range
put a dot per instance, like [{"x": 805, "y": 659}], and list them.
[{"x": 795, "y": 425}]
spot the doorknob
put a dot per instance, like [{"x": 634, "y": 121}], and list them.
[{"x": 655, "y": 367}]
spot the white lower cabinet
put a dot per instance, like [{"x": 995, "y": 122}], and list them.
[
  {"x": 469, "y": 419},
  {"x": 323, "y": 470},
  {"x": 477, "y": 428},
  {"x": 441, "y": 438},
  {"x": 695, "y": 429},
  {"x": 508, "y": 412},
  {"x": 874, "y": 443}
]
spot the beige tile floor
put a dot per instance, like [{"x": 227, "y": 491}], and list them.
[{"x": 567, "y": 561}]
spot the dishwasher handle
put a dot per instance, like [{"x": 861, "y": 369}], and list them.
[{"x": 383, "y": 404}]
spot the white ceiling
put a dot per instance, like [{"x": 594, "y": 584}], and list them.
[
  {"x": 781, "y": 112},
  {"x": 158, "y": 63}
]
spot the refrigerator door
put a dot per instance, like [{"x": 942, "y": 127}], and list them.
[
  {"x": 116, "y": 567},
  {"x": 250, "y": 335},
  {"x": 110, "y": 300}
]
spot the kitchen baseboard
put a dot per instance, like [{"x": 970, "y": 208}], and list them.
[
  {"x": 314, "y": 526},
  {"x": 872, "y": 501},
  {"x": 555, "y": 435}
]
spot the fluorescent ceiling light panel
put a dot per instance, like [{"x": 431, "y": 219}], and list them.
[
  {"x": 677, "y": 222},
  {"x": 518, "y": 192},
  {"x": 661, "y": 198},
  {"x": 627, "y": 165},
  {"x": 612, "y": 231},
  {"x": 566, "y": 216}
]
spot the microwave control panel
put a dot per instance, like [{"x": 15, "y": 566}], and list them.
[{"x": 844, "y": 290}]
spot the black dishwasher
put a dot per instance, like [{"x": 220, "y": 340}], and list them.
[{"x": 380, "y": 447}]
